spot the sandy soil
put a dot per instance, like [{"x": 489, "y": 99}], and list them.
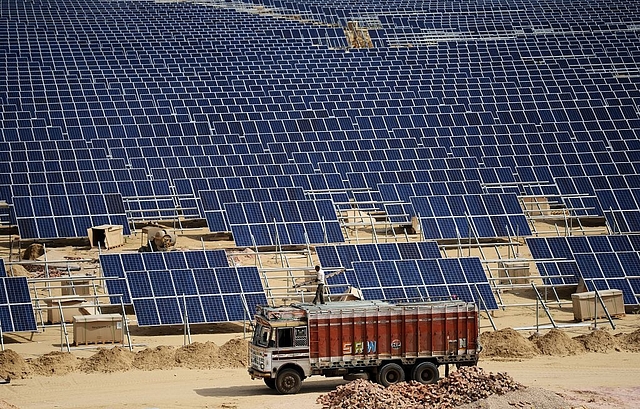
[{"x": 609, "y": 378}]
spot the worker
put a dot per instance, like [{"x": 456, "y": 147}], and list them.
[{"x": 320, "y": 279}]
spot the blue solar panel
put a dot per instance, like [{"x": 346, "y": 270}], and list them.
[
  {"x": 205, "y": 295},
  {"x": 487, "y": 215},
  {"x": 213, "y": 201},
  {"x": 116, "y": 267},
  {"x": 604, "y": 271},
  {"x": 609, "y": 260},
  {"x": 345, "y": 255},
  {"x": 284, "y": 223},
  {"x": 462, "y": 278},
  {"x": 46, "y": 217},
  {"x": 16, "y": 310}
]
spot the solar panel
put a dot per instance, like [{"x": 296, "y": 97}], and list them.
[
  {"x": 67, "y": 216},
  {"x": 343, "y": 256},
  {"x": 213, "y": 202},
  {"x": 283, "y": 223},
  {"x": 425, "y": 279},
  {"x": 16, "y": 310},
  {"x": 334, "y": 256},
  {"x": 602, "y": 261},
  {"x": 605, "y": 271},
  {"x": 204, "y": 295},
  {"x": 458, "y": 216},
  {"x": 117, "y": 266}
]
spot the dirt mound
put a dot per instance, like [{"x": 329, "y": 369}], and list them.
[
  {"x": 33, "y": 251},
  {"x": 54, "y": 363},
  {"x": 233, "y": 354},
  {"x": 109, "y": 360},
  {"x": 13, "y": 366},
  {"x": 19, "y": 271},
  {"x": 598, "y": 341},
  {"x": 557, "y": 343},
  {"x": 506, "y": 343},
  {"x": 150, "y": 359},
  {"x": 198, "y": 356},
  {"x": 629, "y": 342},
  {"x": 524, "y": 398}
]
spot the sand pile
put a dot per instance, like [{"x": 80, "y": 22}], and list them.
[
  {"x": 557, "y": 343},
  {"x": 234, "y": 353},
  {"x": 506, "y": 343},
  {"x": 208, "y": 355},
  {"x": 150, "y": 359},
  {"x": 598, "y": 341},
  {"x": 629, "y": 342},
  {"x": 54, "y": 363},
  {"x": 19, "y": 271},
  {"x": 198, "y": 356},
  {"x": 115, "y": 359},
  {"x": 509, "y": 344},
  {"x": 13, "y": 366}
]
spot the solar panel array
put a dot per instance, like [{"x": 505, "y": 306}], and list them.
[
  {"x": 434, "y": 279},
  {"x": 283, "y": 222},
  {"x": 16, "y": 310},
  {"x": 344, "y": 255},
  {"x": 155, "y": 92},
  {"x": 213, "y": 202},
  {"x": 67, "y": 216},
  {"x": 210, "y": 295},
  {"x": 459, "y": 216},
  {"x": 171, "y": 288},
  {"x": 606, "y": 262},
  {"x": 116, "y": 266}
]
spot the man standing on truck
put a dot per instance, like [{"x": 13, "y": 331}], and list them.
[{"x": 320, "y": 290}]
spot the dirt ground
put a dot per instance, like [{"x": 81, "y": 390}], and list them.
[{"x": 583, "y": 368}]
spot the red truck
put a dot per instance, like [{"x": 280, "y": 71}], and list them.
[{"x": 375, "y": 340}]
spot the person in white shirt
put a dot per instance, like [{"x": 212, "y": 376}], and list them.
[{"x": 320, "y": 290}]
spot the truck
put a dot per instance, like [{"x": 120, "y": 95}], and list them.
[{"x": 376, "y": 340}]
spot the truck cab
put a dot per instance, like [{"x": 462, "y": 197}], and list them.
[{"x": 280, "y": 345}]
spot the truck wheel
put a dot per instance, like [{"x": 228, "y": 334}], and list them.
[
  {"x": 288, "y": 382},
  {"x": 390, "y": 374},
  {"x": 425, "y": 372},
  {"x": 270, "y": 382}
]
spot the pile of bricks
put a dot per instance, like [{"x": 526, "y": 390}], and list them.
[{"x": 466, "y": 385}]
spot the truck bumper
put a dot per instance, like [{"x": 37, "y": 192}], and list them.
[{"x": 254, "y": 373}]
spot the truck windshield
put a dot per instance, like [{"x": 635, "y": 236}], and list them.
[{"x": 262, "y": 335}]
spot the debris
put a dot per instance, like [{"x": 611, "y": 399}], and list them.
[{"x": 466, "y": 385}]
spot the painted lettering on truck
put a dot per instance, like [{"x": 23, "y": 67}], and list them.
[{"x": 358, "y": 347}]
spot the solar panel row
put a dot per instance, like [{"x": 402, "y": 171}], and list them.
[
  {"x": 605, "y": 262},
  {"x": 16, "y": 310},
  {"x": 116, "y": 266},
  {"x": 284, "y": 223}
]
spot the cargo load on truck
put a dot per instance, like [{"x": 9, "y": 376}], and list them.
[{"x": 376, "y": 340}]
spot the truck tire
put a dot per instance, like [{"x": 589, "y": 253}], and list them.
[
  {"x": 389, "y": 374},
  {"x": 425, "y": 372},
  {"x": 288, "y": 382},
  {"x": 270, "y": 382}
]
